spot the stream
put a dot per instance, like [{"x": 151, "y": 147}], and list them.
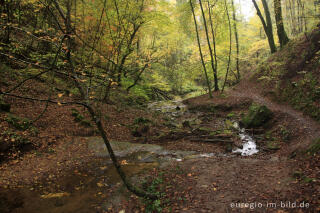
[
  {"x": 176, "y": 108},
  {"x": 79, "y": 188}
]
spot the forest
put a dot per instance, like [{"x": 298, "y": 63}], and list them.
[{"x": 159, "y": 106}]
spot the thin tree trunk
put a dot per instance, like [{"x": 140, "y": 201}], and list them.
[
  {"x": 230, "y": 46},
  {"x": 200, "y": 51},
  {"x": 267, "y": 25},
  {"x": 237, "y": 39},
  {"x": 7, "y": 36},
  {"x": 93, "y": 114},
  {"x": 121, "y": 173},
  {"x": 213, "y": 38},
  {"x": 282, "y": 35},
  {"x": 216, "y": 86}
]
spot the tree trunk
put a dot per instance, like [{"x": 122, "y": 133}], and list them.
[
  {"x": 230, "y": 46},
  {"x": 213, "y": 39},
  {"x": 267, "y": 25},
  {"x": 282, "y": 35},
  {"x": 237, "y": 39},
  {"x": 216, "y": 86},
  {"x": 123, "y": 176},
  {"x": 200, "y": 51},
  {"x": 7, "y": 36}
]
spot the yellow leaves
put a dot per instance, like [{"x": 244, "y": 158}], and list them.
[
  {"x": 124, "y": 162},
  {"x": 55, "y": 195},
  {"x": 114, "y": 83},
  {"x": 59, "y": 103},
  {"x": 100, "y": 184},
  {"x": 60, "y": 95},
  {"x": 103, "y": 168}
]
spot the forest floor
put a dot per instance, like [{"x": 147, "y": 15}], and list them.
[{"x": 66, "y": 177}]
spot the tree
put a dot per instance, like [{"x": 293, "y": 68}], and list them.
[
  {"x": 200, "y": 50},
  {"x": 267, "y": 24},
  {"x": 237, "y": 39},
  {"x": 230, "y": 45},
  {"x": 282, "y": 35},
  {"x": 213, "y": 38},
  {"x": 216, "y": 86},
  {"x": 76, "y": 61}
]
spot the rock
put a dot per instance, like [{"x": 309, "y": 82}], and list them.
[{"x": 257, "y": 116}]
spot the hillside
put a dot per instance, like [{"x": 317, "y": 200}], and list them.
[{"x": 292, "y": 74}]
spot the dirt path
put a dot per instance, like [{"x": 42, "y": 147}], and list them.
[
  {"x": 247, "y": 89},
  {"x": 264, "y": 181},
  {"x": 223, "y": 183}
]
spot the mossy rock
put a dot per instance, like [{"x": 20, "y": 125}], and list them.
[
  {"x": 273, "y": 145},
  {"x": 257, "y": 116}
]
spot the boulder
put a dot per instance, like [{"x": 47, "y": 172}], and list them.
[{"x": 257, "y": 116}]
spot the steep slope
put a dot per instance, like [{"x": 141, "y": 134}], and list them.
[{"x": 293, "y": 74}]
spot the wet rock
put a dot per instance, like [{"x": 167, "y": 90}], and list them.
[{"x": 257, "y": 116}]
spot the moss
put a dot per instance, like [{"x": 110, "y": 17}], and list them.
[
  {"x": 231, "y": 115},
  {"x": 273, "y": 145},
  {"x": 205, "y": 129},
  {"x": 217, "y": 132},
  {"x": 308, "y": 180},
  {"x": 141, "y": 120},
  {"x": 227, "y": 132},
  {"x": 18, "y": 123},
  {"x": 229, "y": 124},
  {"x": 314, "y": 147},
  {"x": 86, "y": 123},
  {"x": 257, "y": 116},
  {"x": 77, "y": 116}
]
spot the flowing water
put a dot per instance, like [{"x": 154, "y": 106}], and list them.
[{"x": 249, "y": 146}]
